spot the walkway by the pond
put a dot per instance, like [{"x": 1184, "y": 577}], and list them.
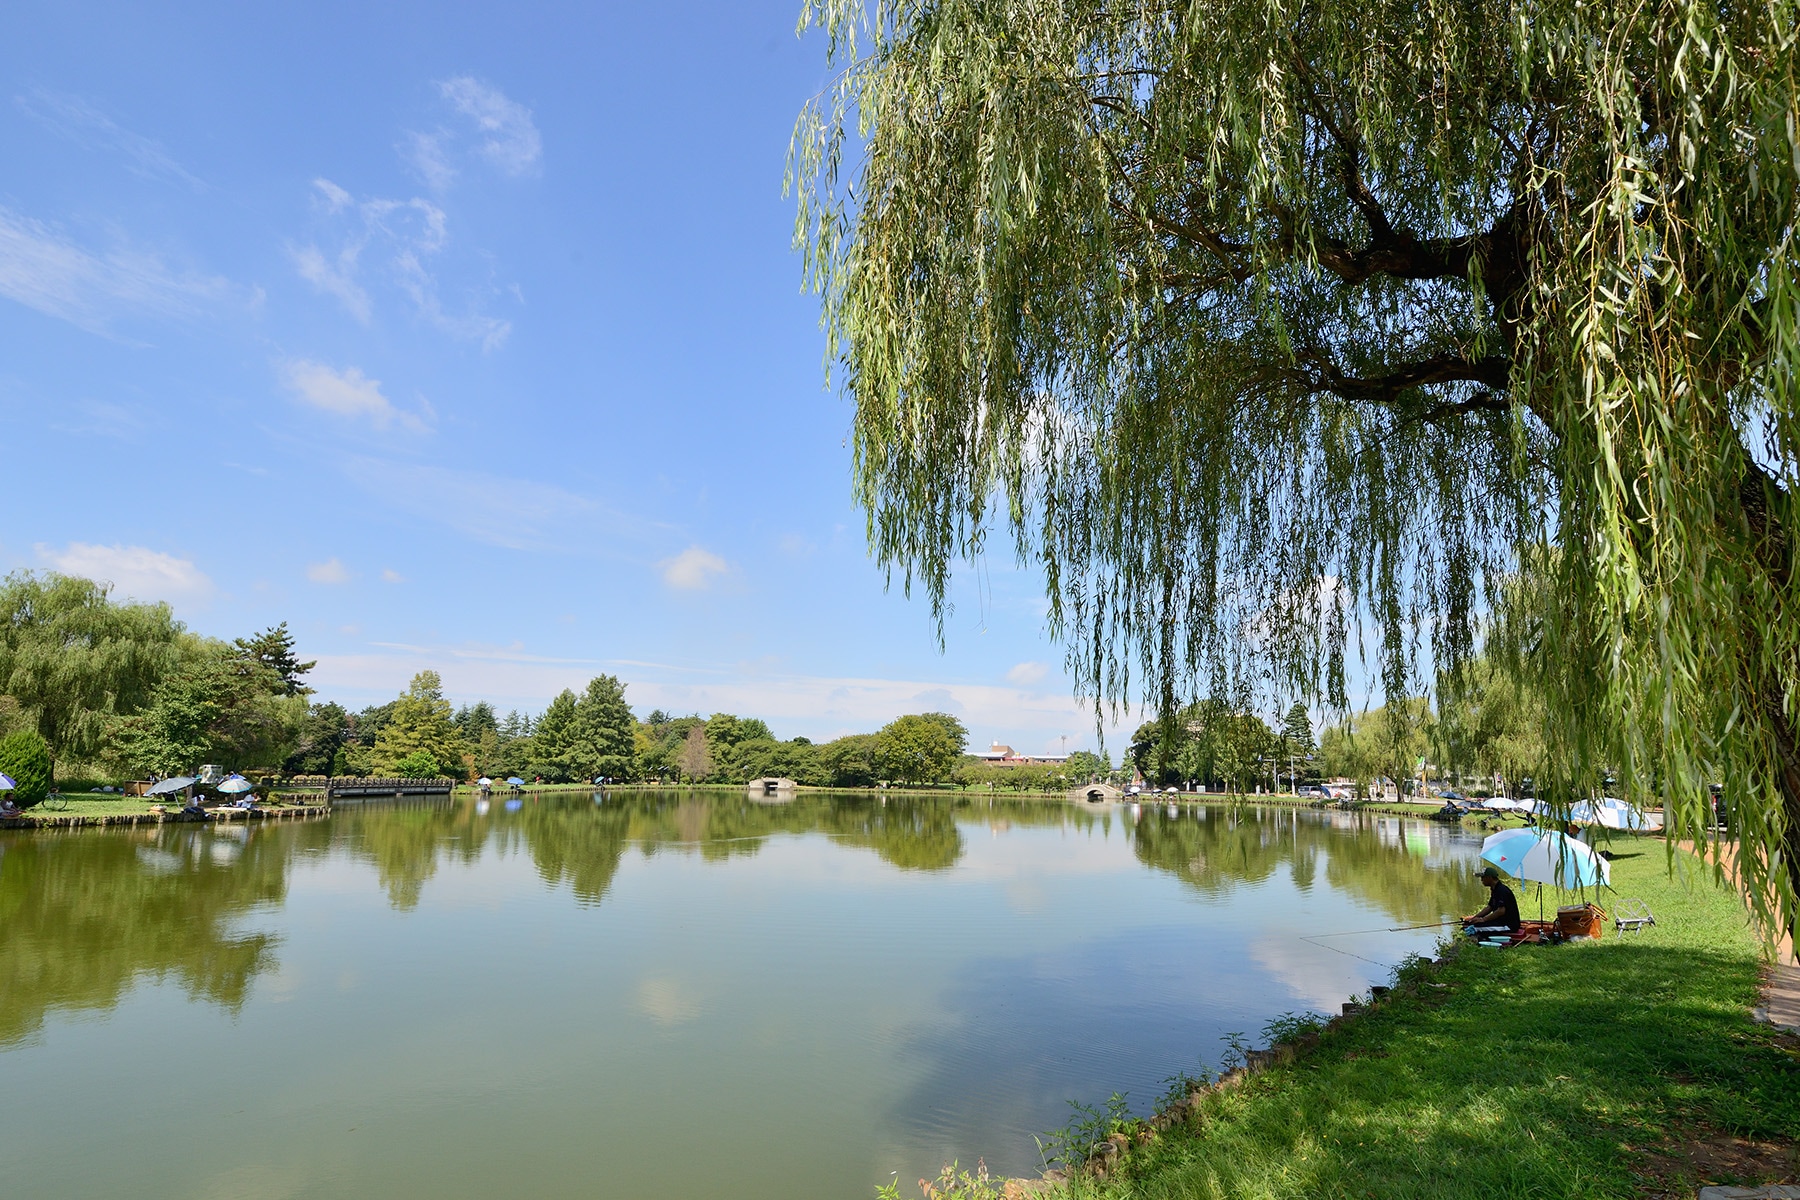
[{"x": 1781, "y": 997}]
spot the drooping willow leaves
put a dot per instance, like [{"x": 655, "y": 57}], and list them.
[{"x": 1272, "y": 330}]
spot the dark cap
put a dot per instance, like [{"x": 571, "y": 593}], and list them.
[{"x": 1489, "y": 873}]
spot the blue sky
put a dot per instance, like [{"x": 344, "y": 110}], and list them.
[{"x": 464, "y": 339}]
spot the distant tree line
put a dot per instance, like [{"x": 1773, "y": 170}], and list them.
[
  {"x": 1222, "y": 745},
  {"x": 1478, "y": 724},
  {"x": 96, "y": 688}
]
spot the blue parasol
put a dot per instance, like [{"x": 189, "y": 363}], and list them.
[
  {"x": 233, "y": 784},
  {"x": 1538, "y": 857}
]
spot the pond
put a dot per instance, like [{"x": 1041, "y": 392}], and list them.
[{"x": 658, "y": 995}]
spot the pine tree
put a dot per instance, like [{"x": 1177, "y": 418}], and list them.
[{"x": 602, "y": 732}]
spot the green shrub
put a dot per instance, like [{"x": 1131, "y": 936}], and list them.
[
  {"x": 25, "y": 756},
  {"x": 420, "y": 764}
]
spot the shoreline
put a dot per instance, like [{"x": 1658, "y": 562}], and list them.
[
  {"x": 1628, "y": 1066},
  {"x": 77, "y": 820}
]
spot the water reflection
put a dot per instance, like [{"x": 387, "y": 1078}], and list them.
[
  {"x": 1376, "y": 859},
  {"x": 86, "y": 914}
]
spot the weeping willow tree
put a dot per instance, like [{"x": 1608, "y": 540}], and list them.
[{"x": 1279, "y": 333}]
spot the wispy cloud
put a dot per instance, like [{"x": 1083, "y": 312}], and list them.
[
  {"x": 96, "y": 418},
  {"x": 135, "y": 572},
  {"x": 336, "y": 278},
  {"x": 508, "y": 137},
  {"x": 692, "y": 570},
  {"x": 84, "y": 124},
  {"x": 42, "y": 268},
  {"x": 429, "y": 155},
  {"x": 329, "y": 571},
  {"x": 402, "y": 237},
  {"x": 1026, "y": 674},
  {"x": 350, "y": 393},
  {"x": 389, "y": 575},
  {"x": 514, "y": 514}
]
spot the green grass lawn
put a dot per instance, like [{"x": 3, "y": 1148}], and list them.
[
  {"x": 94, "y": 804},
  {"x": 1627, "y": 1067}
]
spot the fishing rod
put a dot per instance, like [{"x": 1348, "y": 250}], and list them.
[{"x": 1391, "y": 928}]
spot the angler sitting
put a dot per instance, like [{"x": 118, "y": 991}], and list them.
[{"x": 1502, "y": 911}]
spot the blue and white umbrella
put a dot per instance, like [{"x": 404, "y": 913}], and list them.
[
  {"x": 1537, "y": 857},
  {"x": 6, "y": 783},
  {"x": 233, "y": 784},
  {"x": 515, "y": 781},
  {"x": 1611, "y": 813}
]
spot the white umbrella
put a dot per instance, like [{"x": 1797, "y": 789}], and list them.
[
  {"x": 234, "y": 784},
  {"x": 1500, "y": 804},
  {"x": 1538, "y": 857},
  {"x": 179, "y": 783}
]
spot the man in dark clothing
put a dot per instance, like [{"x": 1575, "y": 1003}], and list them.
[{"x": 1502, "y": 908}]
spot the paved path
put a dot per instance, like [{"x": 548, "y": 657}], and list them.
[{"x": 1781, "y": 997}]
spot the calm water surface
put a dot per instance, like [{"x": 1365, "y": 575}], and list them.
[{"x": 655, "y": 996}]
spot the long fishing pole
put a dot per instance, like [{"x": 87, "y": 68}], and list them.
[{"x": 1391, "y": 928}]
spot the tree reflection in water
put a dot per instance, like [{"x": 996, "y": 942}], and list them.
[
  {"x": 1216, "y": 849},
  {"x": 85, "y": 914}
]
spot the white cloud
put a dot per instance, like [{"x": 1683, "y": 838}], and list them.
[
  {"x": 335, "y": 280},
  {"x": 692, "y": 569},
  {"x": 518, "y": 514},
  {"x": 329, "y": 571},
  {"x": 336, "y": 198},
  {"x": 402, "y": 237},
  {"x": 796, "y": 545},
  {"x": 43, "y": 269},
  {"x": 427, "y": 155},
  {"x": 509, "y": 137},
  {"x": 1027, "y": 673},
  {"x": 350, "y": 393},
  {"x": 135, "y": 572},
  {"x": 389, "y": 575},
  {"x": 86, "y": 125}
]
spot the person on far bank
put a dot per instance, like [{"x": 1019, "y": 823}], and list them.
[{"x": 1502, "y": 909}]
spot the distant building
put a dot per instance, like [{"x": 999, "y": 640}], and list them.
[{"x": 1006, "y": 756}]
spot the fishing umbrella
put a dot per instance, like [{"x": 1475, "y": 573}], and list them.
[
  {"x": 484, "y": 783},
  {"x": 1500, "y": 804},
  {"x": 6, "y": 783},
  {"x": 514, "y": 781},
  {"x": 1617, "y": 814},
  {"x": 179, "y": 783},
  {"x": 1538, "y": 857},
  {"x": 233, "y": 784}
]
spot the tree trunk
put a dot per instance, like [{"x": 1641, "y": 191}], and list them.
[{"x": 1787, "y": 780}]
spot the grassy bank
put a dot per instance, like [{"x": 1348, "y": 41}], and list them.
[
  {"x": 1623, "y": 1068},
  {"x": 111, "y": 804}
]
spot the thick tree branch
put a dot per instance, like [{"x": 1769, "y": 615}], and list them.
[{"x": 1493, "y": 372}]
